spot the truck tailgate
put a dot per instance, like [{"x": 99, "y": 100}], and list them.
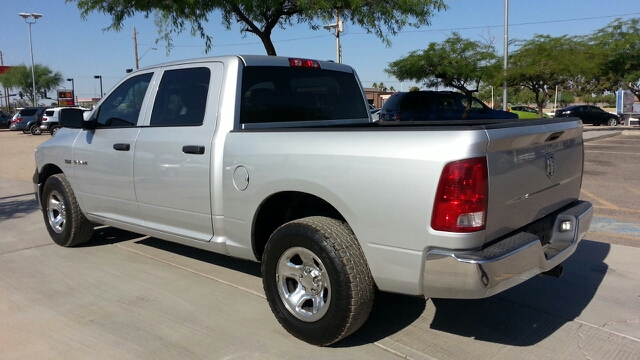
[{"x": 533, "y": 171}]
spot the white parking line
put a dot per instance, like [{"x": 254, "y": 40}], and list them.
[{"x": 612, "y": 152}]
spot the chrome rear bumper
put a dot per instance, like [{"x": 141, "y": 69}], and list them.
[{"x": 479, "y": 274}]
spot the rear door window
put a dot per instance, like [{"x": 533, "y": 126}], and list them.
[
  {"x": 48, "y": 113},
  {"x": 28, "y": 112},
  {"x": 284, "y": 94},
  {"x": 181, "y": 98}
]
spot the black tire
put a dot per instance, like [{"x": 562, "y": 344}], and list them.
[
  {"x": 35, "y": 130},
  {"x": 66, "y": 224},
  {"x": 333, "y": 282},
  {"x": 54, "y": 130},
  {"x": 612, "y": 122}
]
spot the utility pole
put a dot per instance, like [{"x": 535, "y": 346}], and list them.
[
  {"x": 5, "y": 96},
  {"x": 338, "y": 28},
  {"x": 135, "y": 46}
]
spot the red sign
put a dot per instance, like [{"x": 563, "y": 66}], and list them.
[{"x": 3, "y": 69}]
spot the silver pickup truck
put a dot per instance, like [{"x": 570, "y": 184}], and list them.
[{"x": 277, "y": 160}]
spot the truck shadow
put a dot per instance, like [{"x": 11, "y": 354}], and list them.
[
  {"x": 521, "y": 316},
  {"x": 17, "y": 206}
]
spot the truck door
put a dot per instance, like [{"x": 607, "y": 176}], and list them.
[
  {"x": 172, "y": 163},
  {"x": 103, "y": 157}
]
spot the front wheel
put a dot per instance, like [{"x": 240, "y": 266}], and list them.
[
  {"x": 612, "y": 122},
  {"x": 316, "y": 279},
  {"x": 65, "y": 223}
]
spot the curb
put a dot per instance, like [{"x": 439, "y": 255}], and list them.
[{"x": 603, "y": 136}]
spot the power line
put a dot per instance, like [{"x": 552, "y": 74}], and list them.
[{"x": 416, "y": 31}]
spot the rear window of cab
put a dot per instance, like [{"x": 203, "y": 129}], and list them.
[{"x": 288, "y": 94}]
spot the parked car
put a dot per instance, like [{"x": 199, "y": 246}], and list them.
[
  {"x": 436, "y": 105},
  {"x": 5, "y": 119},
  {"x": 28, "y": 120},
  {"x": 50, "y": 122},
  {"x": 526, "y": 112},
  {"x": 589, "y": 114}
]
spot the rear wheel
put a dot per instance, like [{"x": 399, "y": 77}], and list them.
[
  {"x": 65, "y": 223},
  {"x": 35, "y": 130},
  {"x": 54, "y": 130},
  {"x": 317, "y": 280}
]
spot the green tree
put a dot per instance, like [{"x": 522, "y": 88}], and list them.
[
  {"x": 375, "y": 86},
  {"x": 19, "y": 77},
  {"x": 618, "y": 48},
  {"x": 456, "y": 63},
  {"x": 261, "y": 17},
  {"x": 544, "y": 62}
]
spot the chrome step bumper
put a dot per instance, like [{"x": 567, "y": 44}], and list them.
[{"x": 479, "y": 274}]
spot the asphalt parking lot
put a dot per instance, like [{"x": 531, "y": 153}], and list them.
[{"x": 126, "y": 296}]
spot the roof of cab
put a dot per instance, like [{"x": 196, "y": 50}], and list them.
[{"x": 252, "y": 60}]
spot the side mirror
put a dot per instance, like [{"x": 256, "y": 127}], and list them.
[{"x": 71, "y": 118}]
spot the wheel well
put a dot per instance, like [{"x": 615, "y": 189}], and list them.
[
  {"x": 283, "y": 207},
  {"x": 47, "y": 171}
]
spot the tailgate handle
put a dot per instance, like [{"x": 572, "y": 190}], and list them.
[
  {"x": 193, "y": 149},
  {"x": 554, "y": 136},
  {"x": 121, "y": 147}
]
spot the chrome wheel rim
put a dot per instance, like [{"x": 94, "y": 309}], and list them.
[
  {"x": 303, "y": 284},
  {"x": 613, "y": 122},
  {"x": 56, "y": 213}
]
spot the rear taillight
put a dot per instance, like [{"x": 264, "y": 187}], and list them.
[
  {"x": 18, "y": 120},
  {"x": 398, "y": 117},
  {"x": 461, "y": 199}
]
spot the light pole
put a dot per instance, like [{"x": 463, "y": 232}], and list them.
[
  {"x": 99, "y": 77},
  {"x": 506, "y": 54},
  {"x": 35, "y": 17},
  {"x": 73, "y": 91}
]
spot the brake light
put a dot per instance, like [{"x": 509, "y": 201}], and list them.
[
  {"x": 18, "y": 120},
  {"x": 461, "y": 199},
  {"x": 304, "y": 63}
]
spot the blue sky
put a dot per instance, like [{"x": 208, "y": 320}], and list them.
[{"x": 80, "y": 49}]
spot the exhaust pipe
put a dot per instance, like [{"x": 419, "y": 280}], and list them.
[{"x": 555, "y": 272}]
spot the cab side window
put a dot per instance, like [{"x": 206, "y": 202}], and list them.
[
  {"x": 182, "y": 98},
  {"x": 122, "y": 107}
]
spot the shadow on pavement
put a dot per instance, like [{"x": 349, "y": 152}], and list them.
[
  {"x": 107, "y": 235},
  {"x": 244, "y": 266},
  {"x": 521, "y": 316},
  {"x": 532, "y": 311},
  {"x": 17, "y": 206}
]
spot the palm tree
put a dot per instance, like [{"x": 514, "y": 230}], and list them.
[{"x": 19, "y": 77}]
